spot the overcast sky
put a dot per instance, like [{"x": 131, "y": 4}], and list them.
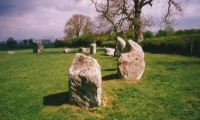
[{"x": 24, "y": 19}]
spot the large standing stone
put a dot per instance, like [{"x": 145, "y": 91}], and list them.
[
  {"x": 109, "y": 51},
  {"x": 93, "y": 48},
  {"x": 120, "y": 45},
  {"x": 131, "y": 63},
  {"x": 38, "y": 48},
  {"x": 85, "y": 82}
]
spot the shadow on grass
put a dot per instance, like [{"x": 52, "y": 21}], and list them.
[
  {"x": 55, "y": 52},
  {"x": 110, "y": 77},
  {"x": 56, "y": 99},
  {"x": 112, "y": 69},
  {"x": 108, "y": 57}
]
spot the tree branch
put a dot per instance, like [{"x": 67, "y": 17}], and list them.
[{"x": 143, "y": 3}]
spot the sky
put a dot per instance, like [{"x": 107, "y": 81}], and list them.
[{"x": 37, "y": 19}]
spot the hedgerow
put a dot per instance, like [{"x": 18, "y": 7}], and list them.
[{"x": 184, "y": 45}]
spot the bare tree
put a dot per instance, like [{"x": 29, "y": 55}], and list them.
[
  {"x": 120, "y": 12},
  {"x": 101, "y": 26},
  {"x": 175, "y": 7},
  {"x": 78, "y": 25}
]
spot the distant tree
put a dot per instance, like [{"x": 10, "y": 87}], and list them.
[
  {"x": 83, "y": 41},
  {"x": 59, "y": 43},
  {"x": 179, "y": 32},
  {"x": 11, "y": 42},
  {"x": 25, "y": 41},
  {"x": 186, "y": 32},
  {"x": 2, "y": 43},
  {"x": 147, "y": 34},
  {"x": 30, "y": 41},
  {"x": 78, "y": 25},
  {"x": 170, "y": 30},
  {"x": 161, "y": 33}
]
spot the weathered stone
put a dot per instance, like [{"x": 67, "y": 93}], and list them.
[
  {"x": 38, "y": 48},
  {"x": 133, "y": 46},
  {"x": 83, "y": 50},
  {"x": 93, "y": 48},
  {"x": 85, "y": 82},
  {"x": 68, "y": 50},
  {"x": 11, "y": 52},
  {"x": 131, "y": 64},
  {"x": 109, "y": 51},
  {"x": 120, "y": 45}
]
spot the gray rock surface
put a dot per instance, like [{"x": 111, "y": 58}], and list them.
[
  {"x": 85, "y": 82},
  {"x": 11, "y": 52},
  {"x": 131, "y": 64},
  {"x": 93, "y": 48},
  {"x": 120, "y": 45},
  {"x": 109, "y": 51},
  {"x": 68, "y": 50},
  {"x": 83, "y": 50},
  {"x": 38, "y": 48}
]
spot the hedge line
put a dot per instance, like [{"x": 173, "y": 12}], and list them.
[
  {"x": 184, "y": 45},
  {"x": 111, "y": 44}
]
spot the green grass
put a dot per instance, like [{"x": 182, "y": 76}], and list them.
[{"x": 34, "y": 87}]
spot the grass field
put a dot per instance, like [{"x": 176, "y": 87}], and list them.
[{"x": 34, "y": 87}]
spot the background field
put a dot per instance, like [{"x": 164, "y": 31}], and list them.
[{"x": 34, "y": 86}]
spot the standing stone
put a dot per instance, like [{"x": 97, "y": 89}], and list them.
[
  {"x": 85, "y": 82},
  {"x": 38, "y": 48},
  {"x": 83, "y": 50},
  {"x": 131, "y": 63},
  {"x": 109, "y": 51},
  {"x": 68, "y": 50},
  {"x": 120, "y": 45},
  {"x": 93, "y": 48},
  {"x": 11, "y": 52}
]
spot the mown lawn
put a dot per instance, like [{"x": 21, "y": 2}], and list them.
[{"x": 34, "y": 87}]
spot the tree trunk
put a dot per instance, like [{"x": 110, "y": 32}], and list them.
[
  {"x": 137, "y": 22},
  {"x": 77, "y": 33},
  {"x": 138, "y": 33}
]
